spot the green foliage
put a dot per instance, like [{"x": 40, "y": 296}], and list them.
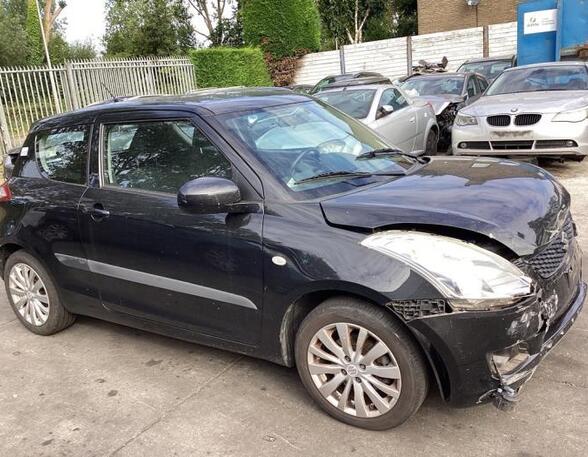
[
  {"x": 386, "y": 19},
  {"x": 225, "y": 67},
  {"x": 281, "y": 27},
  {"x": 12, "y": 36},
  {"x": 36, "y": 55},
  {"x": 147, "y": 28},
  {"x": 61, "y": 51},
  {"x": 228, "y": 31}
]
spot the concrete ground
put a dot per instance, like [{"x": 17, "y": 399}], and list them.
[{"x": 99, "y": 389}]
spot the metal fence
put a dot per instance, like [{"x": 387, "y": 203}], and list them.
[{"x": 31, "y": 93}]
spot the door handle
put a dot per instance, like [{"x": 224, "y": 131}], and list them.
[
  {"x": 97, "y": 212},
  {"x": 412, "y": 119}
]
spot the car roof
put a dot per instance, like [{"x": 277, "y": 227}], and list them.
[
  {"x": 205, "y": 102},
  {"x": 565, "y": 63},
  {"x": 440, "y": 74},
  {"x": 358, "y": 87},
  {"x": 490, "y": 59}
]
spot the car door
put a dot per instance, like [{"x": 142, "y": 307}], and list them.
[
  {"x": 50, "y": 178},
  {"x": 156, "y": 261},
  {"x": 400, "y": 126}
]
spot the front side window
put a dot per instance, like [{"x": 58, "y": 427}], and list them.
[
  {"x": 357, "y": 103},
  {"x": 472, "y": 89},
  {"x": 159, "y": 156},
  {"x": 300, "y": 141},
  {"x": 62, "y": 153},
  {"x": 394, "y": 98}
]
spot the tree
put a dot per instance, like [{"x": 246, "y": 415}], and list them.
[
  {"x": 405, "y": 17},
  {"x": 212, "y": 13},
  {"x": 345, "y": 20},
  {"x": 35, "y": 52},
  {"x": 282, "y": 28},
  {"x": 51, "y": 12},
  {"x": 12, "y": 33},
  {"x": 147, "y": 27}
]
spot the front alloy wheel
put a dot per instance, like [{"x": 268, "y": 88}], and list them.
[
  {"x": 354, "y": 370},
  {"x": 360, "y": 364}
]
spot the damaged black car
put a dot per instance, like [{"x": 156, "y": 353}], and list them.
[
  {"x": 447, "y": 93},
  {"x": 268, "y": 223}
]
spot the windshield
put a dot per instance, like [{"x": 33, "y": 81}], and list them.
[
  {"x": 356, "y": 103},
  {"x": 537, "y": 79},
  {"x": 488, "y": 69},
  {"x": 434, "y": 85},
  {"x": 299, "y": 141}
]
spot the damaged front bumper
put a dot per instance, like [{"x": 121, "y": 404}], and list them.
[{"x": 489, "y": 355}]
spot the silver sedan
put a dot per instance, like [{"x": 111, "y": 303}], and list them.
[
  {"x": 408, "y": 124},
  {"x": 534, "y": 110}
]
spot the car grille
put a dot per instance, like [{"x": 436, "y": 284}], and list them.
[
  {"x": 527, "y": 119},
  {"x": 550, "y": 258},
  {"x": 499, "y": 121},
  {"x": 504, "y": 145}
]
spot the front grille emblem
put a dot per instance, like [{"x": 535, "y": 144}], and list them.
[
  {"x": 514, "y": 110},
  {"x": 565, "y": 242}
]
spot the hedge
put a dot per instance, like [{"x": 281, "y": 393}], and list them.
[
  {"x": 225, "y": 67},
  {"x": 281, "y": 27}
]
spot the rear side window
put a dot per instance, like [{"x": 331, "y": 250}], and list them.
[
  {"x": 62, "y": 154},
  {"x": 159, "y": 156}
]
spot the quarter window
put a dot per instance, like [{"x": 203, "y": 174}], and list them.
[
  {"x": 62, "y": 154},
  {"x": 159, "y": 156}
]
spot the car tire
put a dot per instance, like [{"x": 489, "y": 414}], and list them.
[
  {"x": 431, "y": 143},
  {"x": 401, "y": 369},
  {"x": 40, "y": 309}
]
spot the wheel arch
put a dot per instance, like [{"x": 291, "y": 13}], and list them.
[
  {"x": 6, "y": 250},
  {"x": 300, "y": 307}
]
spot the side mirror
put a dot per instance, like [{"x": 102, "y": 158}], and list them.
[
  {"x": 385, "y": 110},
  {"x": 209, "y": 195}
]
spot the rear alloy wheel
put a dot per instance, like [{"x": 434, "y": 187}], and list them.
[
  {"x": 431, "y": 144},
  {"x": 33, "y": 295},
  {"x": 360, "y": 364}
]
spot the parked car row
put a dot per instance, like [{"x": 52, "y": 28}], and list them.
[{"x": 531, "y": 111}]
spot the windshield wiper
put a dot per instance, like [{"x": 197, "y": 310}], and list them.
[
  {"x": 346, "y": 174},
  {"x": 387, "y": 152},
  {"x": 334, "y": 174}
]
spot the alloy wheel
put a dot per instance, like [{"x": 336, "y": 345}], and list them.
[
  {"x": 28, "y": 294},
  {"x": 354, "y": 370}
]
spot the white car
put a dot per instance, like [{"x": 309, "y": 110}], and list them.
[
  {"x": 408, "y": 124},
  {"x": 536, "y": 110}
]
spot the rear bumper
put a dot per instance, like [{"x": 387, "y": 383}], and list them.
[
  {"x": 461, "y": 346},
  {"x": 545, "y": 139}
]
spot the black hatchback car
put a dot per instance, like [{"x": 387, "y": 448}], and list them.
[{"x": 268, "y": 223}]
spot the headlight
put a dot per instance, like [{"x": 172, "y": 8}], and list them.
[
  {"x": 463, "y": 120},
  {"x": 471, "y": 278},
  {"x": 578, "y": 115}
]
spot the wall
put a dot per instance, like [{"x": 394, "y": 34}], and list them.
[
  {"x": 392, "y": 57},
  {"x": 445, "y": 15}
]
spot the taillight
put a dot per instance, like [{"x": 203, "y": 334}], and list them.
[{"x": 5, "y": 194}]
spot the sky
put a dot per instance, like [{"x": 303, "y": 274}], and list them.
[{"x": 85, "y": 20}]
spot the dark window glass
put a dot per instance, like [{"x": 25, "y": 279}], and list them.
[
  {"x": 393, "y": 98},
  {"x": 472, "y": 89},
  {"x": 159, "y": 156},
  {"x": 356, "y": 103},
  {"x": 62, "y": 153}
]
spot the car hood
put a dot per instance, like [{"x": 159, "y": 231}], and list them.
[
  {"x": 520, "y": 205},
  {"x": 536, "y": 102},
  {"x": 440, "y": 102}
]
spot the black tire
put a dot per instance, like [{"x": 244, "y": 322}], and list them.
[
  {"x": 58, "y": 318},
  {"x": 378, "y": 321},
  {"x": 431, "y": 143}
]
